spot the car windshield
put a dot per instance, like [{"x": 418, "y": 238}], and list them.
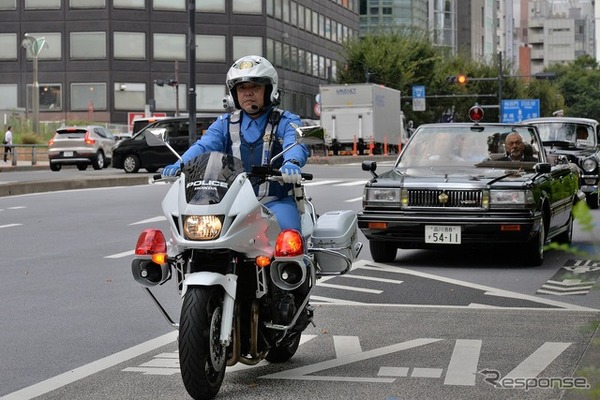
[
  {"x": 466, "y": 146},
  {"x": 567, "y": 132}
]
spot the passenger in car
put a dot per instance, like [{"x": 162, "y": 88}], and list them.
[{"x": 516, "y": 149}]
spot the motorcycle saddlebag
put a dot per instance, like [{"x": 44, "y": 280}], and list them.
[{"x": 335, "y": 230}]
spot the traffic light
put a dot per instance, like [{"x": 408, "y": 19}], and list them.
[{"x": 461, "y": 79}]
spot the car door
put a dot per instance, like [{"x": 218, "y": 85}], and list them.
[
  {"x": 107, "y": 140},
  {"x": 559, "y": 185}
]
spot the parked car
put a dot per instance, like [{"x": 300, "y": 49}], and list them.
[
  {"x": 576, "y": 139},
  {"x": 81, "y": 146},
  {"x": 133, "y": 154},
  {"x": 451, "y": 187}
]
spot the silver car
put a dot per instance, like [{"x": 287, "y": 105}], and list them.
[{"x": 81, "y": 146}]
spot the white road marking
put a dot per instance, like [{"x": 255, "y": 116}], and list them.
[
  {"x": 346, "y": 345},
  {"x": 89, "y": 369},
  {"x": 538, "y": 361},
  {"x": 372, "y": 278},
  {"x": 9, "y": 225},
  {"x": 321, "y": 183},
  {"x": 489, "y": 291},
  {"x": 350, "y": 288},
  {"x": 419, "y": 372},
  {"x": 121, "y": 255},
  {"x": 149, "y": 220},
  {"x": 304, "y": 373},
  {"x": 354, "y": 200},
  {"x": 462, "y": 369}
]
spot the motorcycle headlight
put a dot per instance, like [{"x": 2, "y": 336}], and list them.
[
  {"x": 511, "y": 197},
  {"x": 202, "y": 227},
  {"x": 589, "y": 165}
]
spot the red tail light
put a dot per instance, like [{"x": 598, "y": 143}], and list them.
[
  {"x": 88, "y": 140},
  {"x": 51, "y": 142},
  {"x": 289, "y": 244}
]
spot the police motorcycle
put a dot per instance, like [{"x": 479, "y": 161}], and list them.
[{"x": 245, "y": 283}]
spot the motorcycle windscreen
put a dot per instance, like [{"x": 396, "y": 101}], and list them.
[{"x": 209, "y": 176}]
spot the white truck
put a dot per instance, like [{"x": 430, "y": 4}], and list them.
[{"x": 362, "y": 118}]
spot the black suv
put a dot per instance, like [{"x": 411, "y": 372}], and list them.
[
  {"x": 577, "y": 140},
  {"x": 134, "y": 153}
]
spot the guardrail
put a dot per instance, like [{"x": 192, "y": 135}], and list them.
[{"x": 30, "y": 154}]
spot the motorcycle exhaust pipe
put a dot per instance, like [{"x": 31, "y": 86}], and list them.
[
  {"x": 148, "y": 273},
  {"x": 288, "y": 274}
]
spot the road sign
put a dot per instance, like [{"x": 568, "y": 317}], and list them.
[
  {"x": 418, "y": 98},
  {"x": 518, "y": 110},
  {"x": 317, "y": 109}
]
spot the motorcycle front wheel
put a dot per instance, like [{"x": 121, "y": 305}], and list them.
[{"x": 202, "y": 358}]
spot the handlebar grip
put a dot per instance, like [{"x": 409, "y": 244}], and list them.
[
  {"x": 307, "y": 176},
  {"x": 156, "y": 177}
]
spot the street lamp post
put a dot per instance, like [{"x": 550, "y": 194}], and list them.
[{"x": 35, "y": 46}]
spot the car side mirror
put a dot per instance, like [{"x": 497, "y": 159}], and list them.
[
  {"x": 155, "y": 136},
  {"x": 543, "y": 168}
]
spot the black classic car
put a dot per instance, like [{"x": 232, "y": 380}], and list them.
[
  {"x": 577, "y": 140},
  {"x": 470, "y": 185}
]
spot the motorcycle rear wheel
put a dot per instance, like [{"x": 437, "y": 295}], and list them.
[{"x": 202, "y": 358}]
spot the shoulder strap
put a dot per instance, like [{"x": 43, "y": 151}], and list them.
[{"x": 235, "y": 121}]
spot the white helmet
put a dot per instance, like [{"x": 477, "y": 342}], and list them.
[{"x": 257, "y": 70}]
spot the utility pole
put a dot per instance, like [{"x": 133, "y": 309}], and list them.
[
  {"x": 192, "y": 70},
  {"x": 500, "y": 77}
]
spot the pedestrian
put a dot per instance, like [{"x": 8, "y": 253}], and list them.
[
  {"x": 8, "y": 143},
  {"x": 252, "y": 82}
]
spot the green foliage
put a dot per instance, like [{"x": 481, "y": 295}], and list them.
[{"x": 29, "y": 138}]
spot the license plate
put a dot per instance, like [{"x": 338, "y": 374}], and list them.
[
  {"x": 442, "y": 234},
  {"x": 67, "y": 154}
]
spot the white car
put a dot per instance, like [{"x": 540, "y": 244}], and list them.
[{"x": 81, "y": 146}]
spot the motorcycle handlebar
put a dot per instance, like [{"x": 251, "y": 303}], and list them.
[{"x": 266, "y": 171}]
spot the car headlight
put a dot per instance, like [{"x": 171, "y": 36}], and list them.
[
  {"x": 382, "y": 195},
  {"x": 511, "y": 197},
  {"x": 202, "y": 227},
  {"x": 589, "y": 165}
]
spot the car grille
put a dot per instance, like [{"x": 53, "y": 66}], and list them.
[{"x": 444, "y": 198}]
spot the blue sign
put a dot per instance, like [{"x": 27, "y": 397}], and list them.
[
  {"x": 418, "y": 98},
  {"x": 514, "y": 111}
]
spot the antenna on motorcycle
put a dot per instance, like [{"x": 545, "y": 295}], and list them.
[{"x": 309, "y": 135}]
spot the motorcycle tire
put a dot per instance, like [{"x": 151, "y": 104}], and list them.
[
  {"x": 285, "y": 350},
  {"x": 202, "y": 358}
]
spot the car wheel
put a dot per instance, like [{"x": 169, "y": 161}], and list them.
[
  {"x": 383, "y": 251},
  {"x": 82, "y": 167},
  {"x": 99, "y": 161},
  {"x": 567, "y": 236},
  {"x": 55, "y": 167},
  {"x": 534, "y": 249},
  {"x": 131, "y": 163},
  {"x": 592, "y": 200},
  {"x": 152, "y": 170}
]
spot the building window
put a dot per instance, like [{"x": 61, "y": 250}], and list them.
[
  {"x": 8, "y": 4},
  {"x": 129, "y": 4},
  {"x": 8, "y": 100},
  {"x": 88, "y": 45},
  {"x": 8, "y": 44},
  {"x": 52, "y": 49},
  {"x": 210, "y": 97},
  {"x": 86, "y": 96},
  {"x": 130, "y": 96},
  {"x": 247, "y": 6},
  {"x": 244, "y": 45},
  {"x": 166, "y": 97},
  {"x": 42, "y": 4},
  {"x": 170, "y": 5},
  {"x": 50, "y": 97},
  {"x": 211, "y": 5},
  {"x": 270, "y": 8},
  {"x": 270, "y": 54},
  {"x": 169, "y": 46},
  {"x": 211, "y": 48},
  {"x": 129, "y": 45},
  {"x": 87, "y": 3}
]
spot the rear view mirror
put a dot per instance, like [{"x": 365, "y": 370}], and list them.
[
  {"x": 155, "y": 136},
  {"x": 313, "y": 134}
]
